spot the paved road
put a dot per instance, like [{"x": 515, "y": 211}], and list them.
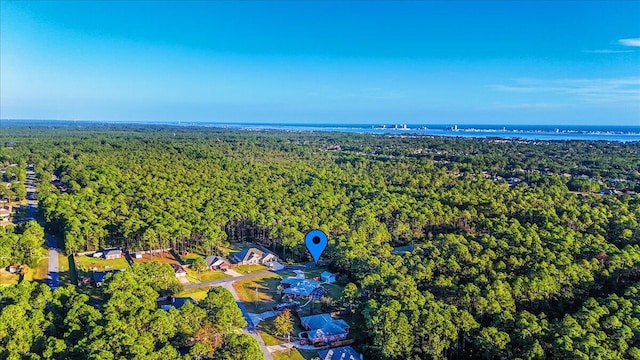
[
  {"x": 32, "y": 203},
  {"x": 227, "y": 280},
  {"x": 32, "y": 207},
  {"x": 251, "y": 327},
  {"x": 53, "y": 263}
]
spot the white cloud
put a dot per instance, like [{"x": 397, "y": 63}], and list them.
[
  {"x": 617, "y": 90},
  {"x": 630, "y": 42}
]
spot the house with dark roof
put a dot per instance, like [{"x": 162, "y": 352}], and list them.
[
  {"x": 340, "y": 353},
  {"x": 98, "y": 277},
  {"x": 179, "y": 270},
  {"x": 166, "y": 302},
  {"x": 216, "y": 263},
  {"x": 323, "y": 329},
  {"x": 254, "y": 255}
]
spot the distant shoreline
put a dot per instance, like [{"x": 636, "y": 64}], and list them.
[{"x": 525, "y": 132}]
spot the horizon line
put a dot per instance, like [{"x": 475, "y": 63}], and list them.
[{"x": 302, "y": 123}]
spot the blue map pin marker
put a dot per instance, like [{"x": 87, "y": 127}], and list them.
[{"x": 316, "y": 242}]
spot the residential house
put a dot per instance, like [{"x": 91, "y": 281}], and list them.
[
  {"x": 137, "y": 255},
  {"x": 5, "y": 212},
  {"x": 98, "y": 277},
  {"x": 255, "y": 255},
  {"x": 217, "y": 263},
  {"x": 328, "y": 277},
  {"x": 340, "y": 353},
  {"x": 179, "y": 270},
  {"x": 166, "y": 302},
  {"x": 289, "y": 305},
  {"x": 111, "y": 254},
  {"x": 323, "y": 329},
  {"x": 295, "y": 288}
]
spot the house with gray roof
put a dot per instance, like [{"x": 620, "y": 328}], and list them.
[
  {"x": 296, "y": 288},
  {"x": 340, "y": 353},
  {"x": 112, "y": 254},
  {"x": 322, "y": 329},
  {"x": 254, "y": 255},
  {"x": 216, "y": 263}
]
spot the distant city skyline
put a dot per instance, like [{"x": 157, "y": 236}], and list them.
[{"x": 411, "y": 62}]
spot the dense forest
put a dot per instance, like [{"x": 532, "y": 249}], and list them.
[
  {"x": 21, "y": 244},
  {"x": 537, "y": 266},
  {"x": 36, "y": 323}
]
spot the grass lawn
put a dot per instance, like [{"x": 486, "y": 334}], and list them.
[
  {"x": 267, "y": 292},
  {"x": 197, "y": 293},
  {"x": 314, "y": 272},
  {"x": 189, "y": 257},
  {"x": 165, "y": 258},
  {"x": 213, "y": 275},
  {"x": 6, "y": 278},
  {"x": 270, "y": 339},
  {"x": 335, "y": 291},
  {"x": 293, "y": 355},
  {"x": 87, "y": 263},
  {"x": 205, "y": 276},
  {"x": 267, "y": 331},
  {"x": 248, "y": 269},
  {"x": 39, "y": 273},
  {"x": 192, "y": 276}
]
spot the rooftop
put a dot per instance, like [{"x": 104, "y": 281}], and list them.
[
  {"x": 328, "y": 330},
  {"x": 340, "y": 353},
  {"x": 178, "y": 268},
  {"x": 300, "y": 287},
  {"x": 320, "y": 321},
  {"x": 214, "y": 260}
]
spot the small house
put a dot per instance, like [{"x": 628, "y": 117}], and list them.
[
  {"x": 328, "y": 277},
  {"x": 99, "y": 277},
  {"x": 179, "y": 270},
  {"x": 5, "y": 212},
  {"x": 166, "y": 302},
  {"x": 137, "y": 255},
  {"x": 112, "y": 254},
  {"x": 217, "y": 263}
]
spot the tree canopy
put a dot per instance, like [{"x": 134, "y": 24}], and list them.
[{"x": 512, "y": 252}]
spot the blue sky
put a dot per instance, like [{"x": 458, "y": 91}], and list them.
[{"x": 415, "y": 62}]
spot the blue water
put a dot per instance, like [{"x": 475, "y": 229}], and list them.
[{"x": 526, "y": 132}]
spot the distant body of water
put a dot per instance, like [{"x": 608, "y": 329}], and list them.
[{"x": 526, "y": 132}]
